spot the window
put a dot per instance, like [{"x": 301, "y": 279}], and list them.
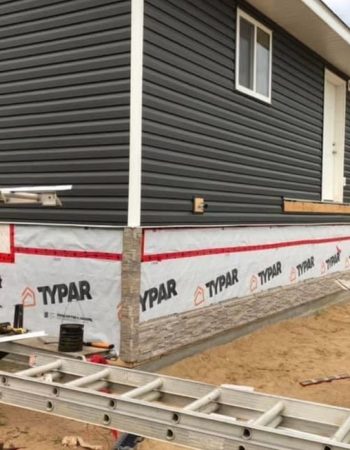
[{"x": 253, "y": 57}]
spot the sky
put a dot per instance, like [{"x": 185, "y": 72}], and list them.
[{"x": 341, "y": 8}]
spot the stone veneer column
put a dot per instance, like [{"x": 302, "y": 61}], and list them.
[{"x": 130, "y": 306}]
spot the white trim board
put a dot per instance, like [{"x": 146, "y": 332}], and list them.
[
  {"x": 314, "y": 24},
  {"x": 329, "y": 17},
  {"x": 135, "y": 137},
  {"x": 18, "y": 337},
  {"x": 333, "y": 137}
]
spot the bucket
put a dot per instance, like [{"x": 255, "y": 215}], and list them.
[{"x": 71, "y": 337}]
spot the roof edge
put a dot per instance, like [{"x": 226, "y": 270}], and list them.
[{"x": 329, "y": 17}]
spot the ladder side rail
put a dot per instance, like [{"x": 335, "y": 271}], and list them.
[
  {"x": 317, "y": 415},
  {"x": 119, "y": 375},
  {"x": 155, "y": 421},
  {"x": 293, "y": 408},
  {"x": 130, "y": 377}
]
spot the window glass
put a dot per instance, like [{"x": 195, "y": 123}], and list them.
[
  {"x": 246, "y": 54},
  {"x": 254, "y": 57},
  {"x": 262, "y": 62}
]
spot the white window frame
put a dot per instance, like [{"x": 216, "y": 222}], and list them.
[{"x": 257, "y": 24}]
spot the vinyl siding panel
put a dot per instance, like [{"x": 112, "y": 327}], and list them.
[
  {"x": 347, "y": 152},
  {"x": 202, "y": 137},
  {"x": 64, "y": 106}
]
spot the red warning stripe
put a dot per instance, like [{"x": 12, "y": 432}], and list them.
[
  {"x": 237, "y": 249},
  {"x": 9, "y": 257},
  {"x": 68, "y": 253}
]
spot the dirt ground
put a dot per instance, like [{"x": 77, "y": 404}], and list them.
[{"x": 272, "y": 360}]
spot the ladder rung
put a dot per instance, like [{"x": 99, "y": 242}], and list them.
[
  {"x": 51, "y": 376},
  {"x": 40, "y": 369},
  {"x": 145, "y": 389},
  {"x": 98, "y": 386},
  {"x": 83, "y": 381},
  {"x": 276, "y": 422},
  {"x": 270, "y": 415},
  {"x": 204, "y": 401},
  {"x": 151, "y": 396},
  {"x": 342, "y": 431},
  {"x": 210, "y": 410}
]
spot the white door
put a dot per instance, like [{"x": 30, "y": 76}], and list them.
[{"x": 333, "y": 138}]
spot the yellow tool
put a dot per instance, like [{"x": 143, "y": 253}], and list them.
[{"x": 7, "y": 328}]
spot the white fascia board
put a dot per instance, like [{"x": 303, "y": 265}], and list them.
[
  {"x": 135, "y": 136},
  {"x": 332, "y": 20},
  {"x": 313, "y": 24}
]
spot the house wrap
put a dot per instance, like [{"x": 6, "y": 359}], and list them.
[{"x": 207, "y": 144}]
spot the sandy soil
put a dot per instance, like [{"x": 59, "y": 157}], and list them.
[
  {"x": 35, "y": 431},
  {"x": 272, "y": 360},
  {"x": 276, "y": 358}
]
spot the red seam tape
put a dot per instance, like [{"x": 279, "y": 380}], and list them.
[
  {"x": 237, "y": 249},
  {"x": 68, "y": 253}
]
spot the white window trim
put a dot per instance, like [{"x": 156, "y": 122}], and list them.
[{"x": 256, "y": 23}]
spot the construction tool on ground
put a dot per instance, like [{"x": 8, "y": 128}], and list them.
[
  {"x": 329, "y": 379},
  {"x": 192, "y": 414}
]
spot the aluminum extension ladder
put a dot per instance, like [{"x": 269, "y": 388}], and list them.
[{"x": 191, "y": 414}]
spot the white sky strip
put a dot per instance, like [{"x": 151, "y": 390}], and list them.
[{"x": 341, "y": 8}]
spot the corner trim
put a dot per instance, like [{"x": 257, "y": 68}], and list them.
[{"x": 135, "y": 134}]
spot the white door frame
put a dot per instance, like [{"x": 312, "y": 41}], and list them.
[{"x": 337, "y": 140}]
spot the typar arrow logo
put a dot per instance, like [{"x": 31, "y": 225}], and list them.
[
  {"x": 253, "y": 283},
  {"x": 28, "y": 297},
  {"x": 293, "y": 274},
  {"x": 199, "y": 296}
]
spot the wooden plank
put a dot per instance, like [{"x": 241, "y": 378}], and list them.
[{"x": 307, "y": 207}]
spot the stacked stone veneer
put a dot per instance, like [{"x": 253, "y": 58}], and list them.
[
  {"x": 154, "y": 338},
  {"x": 131, "y": 281},
  {"x": 158, "y": 337}
]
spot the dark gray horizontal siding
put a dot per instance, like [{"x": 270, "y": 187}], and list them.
[
  {"x": 347, "y": 152},
  {"x": 202, "y": 137},
  {"x": 64, "y": 106}
]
